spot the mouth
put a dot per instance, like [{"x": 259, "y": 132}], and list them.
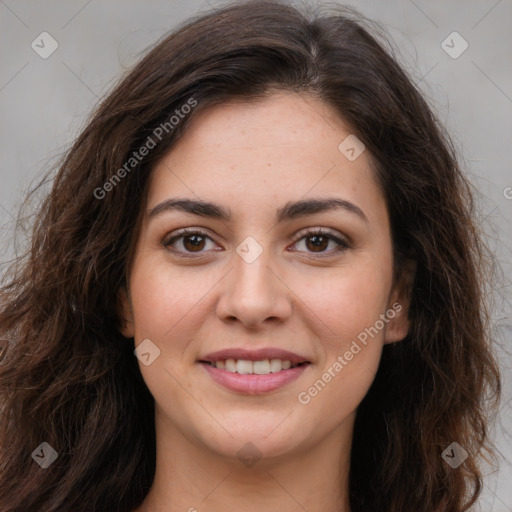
[
  {"x": 254, "y": 372},
  {"x": 248, "y": 367}
]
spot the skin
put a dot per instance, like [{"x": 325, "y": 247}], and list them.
[{"x": 253, "y": 158}]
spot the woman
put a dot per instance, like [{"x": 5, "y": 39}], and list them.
[{"x": 256, "y": 284}]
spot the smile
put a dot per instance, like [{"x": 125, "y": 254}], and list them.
[
  {"x": 251, "y": 371},
  {"x": 247, "y": 367},
  {"x": 251, "y": 382}
]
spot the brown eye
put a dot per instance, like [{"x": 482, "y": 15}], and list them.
[
  {"x": 318, "y": 243},
  {"x": 192, "y": 241}
]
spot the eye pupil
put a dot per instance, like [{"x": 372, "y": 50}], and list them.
[
  {"x": 196, "y": 244},
  {"x": 319, "y": 242}
]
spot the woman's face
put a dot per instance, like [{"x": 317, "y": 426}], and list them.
[{"x": 262, "y": 284}]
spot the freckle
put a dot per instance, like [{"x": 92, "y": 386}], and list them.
[{"x": 269, "y": 165}]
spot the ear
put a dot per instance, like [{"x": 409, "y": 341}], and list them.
[
  {"x": 399, "y": 303},
  {"x": 125, "y": 313}
]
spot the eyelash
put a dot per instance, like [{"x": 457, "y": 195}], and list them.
[{"x": 343, "y": 245}]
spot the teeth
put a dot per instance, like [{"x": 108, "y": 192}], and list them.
[
  {"x": 276, "y": 365},
  {"x": 286, "y": 365},
  {"x": 246, "y": 367},
  {"x": 261, "y": 367},
  {"x": 230, "y": 365}
]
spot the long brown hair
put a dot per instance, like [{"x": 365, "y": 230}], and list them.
[{"x": 69, "y": 378}]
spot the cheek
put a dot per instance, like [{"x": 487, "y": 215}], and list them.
[
  {"x": 337, "y": 391},
  {"x": 162, "y": 297},
  {"x": 347, "y": 306},
  {"x": 346, "y": 311},
  {"x": 164, "y": 304},
  {"x": 347, "y": 300},
  {"x": 169, "y": 306}
]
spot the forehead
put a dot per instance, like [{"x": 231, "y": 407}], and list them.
[
  {"x": 262, "y": 152},
  {"x": 281, "y": 120}
]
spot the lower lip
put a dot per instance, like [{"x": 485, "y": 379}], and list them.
[{"x": 253, "y": 384}]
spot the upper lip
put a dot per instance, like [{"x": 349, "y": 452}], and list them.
[{"x": 254, "y": 355}]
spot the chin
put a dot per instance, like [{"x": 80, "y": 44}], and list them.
[{"x": 257, "y": 436}]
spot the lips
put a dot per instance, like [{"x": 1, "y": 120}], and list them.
[{"x": 254, "y": 371}]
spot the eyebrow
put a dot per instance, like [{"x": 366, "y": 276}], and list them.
[{"x": 289, "y": 211}]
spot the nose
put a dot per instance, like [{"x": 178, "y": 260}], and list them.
[{"x": 254, "y": 294}]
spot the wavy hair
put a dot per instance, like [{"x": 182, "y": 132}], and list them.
[{"x": 69, "y": 378}]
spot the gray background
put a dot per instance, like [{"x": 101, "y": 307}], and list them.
[{"x": 44, "y": 102}]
